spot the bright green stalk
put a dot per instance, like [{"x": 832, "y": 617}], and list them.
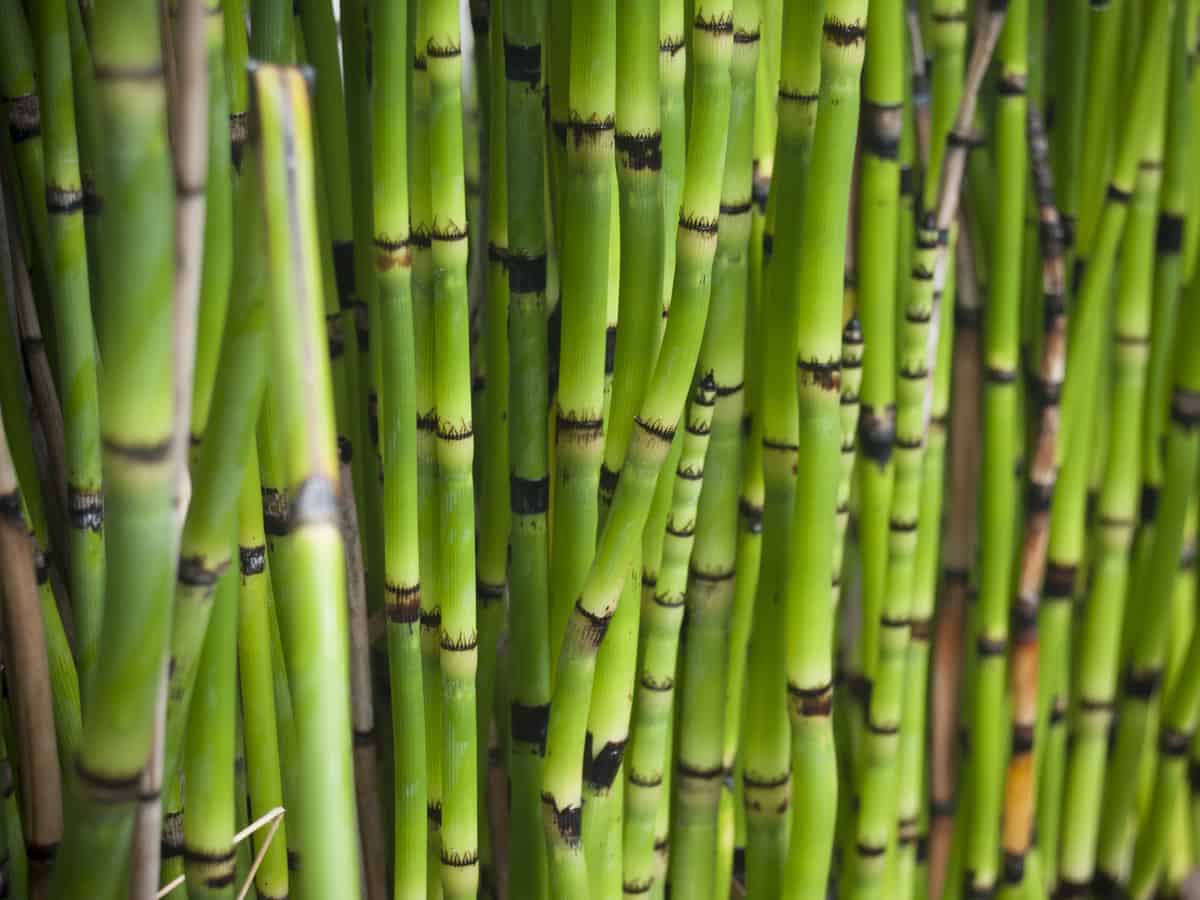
[
  {"x": 524, "y": 30},
  {"x": 208, "y": 818},
  {"x": 750, "y": 500},
  {"x": 1077, "y": 852},
  {"x": 455, "y": 447},
  {"x": 428, "y": 515},
  {"x": 1069, "y": 77},
  {"x": 204, "y": 549},
  {"x": 1172, "y": 216},
  {"x": 256, "y": 679},
  {"x": 314, "y": 634},
  {"x": 24, "y": 113},
  {"x": 1180, "y": 712},
  {"x": 649, "y": 446},
  {"x": 136, "y": 405},
  {"x": 236, "y": 88},
  {"x": 816, "y": 282},
  {"x": 672, "y": 65},
  {"x": 586, "y": 223},
  {"x": 76, "y": 356},
  {"x": 495, "y": 513},
  {"x": 218, "y": 223},
  {"x": 638, "y": 143},
  {"x": 357, "y": 66},
  {"x": 662, "y": 617},
  {"x": 700, "y": 760},
  {"x": 1097, "y": 144},
  {"x": 558, "y": 73},
  {"x": 393, "y": 264},
  {"x": 766, "y": 769},
  {"x": 879, "y": 195},
  {"x": 998, "y": 506},
  {"x": 272, "y": 30}
]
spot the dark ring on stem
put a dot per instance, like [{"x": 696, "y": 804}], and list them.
[
  {"x": 460, "y": 643},
  {"x": 1185, "y": 407},
  {"x": 457, "y": 860},
  {"x": 989, "y": 646},
  {"x": 275, "y": 512},
  {"x": 529, "y": 497},
  {"x": 1022, "y": 740},
  {"x": 871, "y": 851},
  {"x": 152, "y": 71},
  {"x": 24, "y": 118},
  {"x": 1169, "y": 239},
  {"x": 1143, "y": 685},
  {"x": 658, "y": 429},
  {"x": 1117, "y": 194},
  {"x": 193, "y": 572},
  {"x": 671, "y": 44},
  {"x": 568, "y": 822},
  {"x": 1173, "y": 742},
  {"x": 147, "y": 454},
  {"x": 655, "y": 685},
  {"x": 670, "y": 600},
  {"x": 742, "y": 36},
  {"x": 843, "y": 34},
  {"x": 637, "y": 887},
  {"x": 442, "y": 51},
  {"x": 645, "y": 781},
  {"x": 403, "y": 602},
  {"x": 600, "y": 770},
  {"x": 252, "y": 561},
  {"x": 63, "y": 201},
  {"x": 720, "y": 24},
  {"x": 523, "y": 63},
  {"x": 1060, "y": 581},
  {"x": 641, "y": 151},
  {"x": 431, "y": 619},
  {"x": 610, "y": 349},
  {"x": 529, "y": 725},
  {"x": 85, "y": 509},
  {"x": 108, "y": 790},
  {"x": 591, "y": 627}
]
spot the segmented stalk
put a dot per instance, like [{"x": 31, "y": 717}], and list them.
[
  {"x": 208, "y": 818},
  {"x": 766, "y": 770},
  {"x": 256, "y": 677},
  {"x": 529, "y": 660},
  {"x": 587, "y": 209},
  {"x": 639, "y": 150},
  {"x": 650, "y": 442},
  {"x": 402, "y": 575},
  {"x": 1020, "y": 786},
  {"x": 699, "y": 763},
  {"x": 136, "y": 408},
  {"x": 314, "y": 634},
  {"x": 1077, "y": 850},
  {"x": 454, "y": 449},
  {"x": 654, "y": 693}
]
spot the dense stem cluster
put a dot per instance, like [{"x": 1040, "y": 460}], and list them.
[{"x": 741, "y": 448}]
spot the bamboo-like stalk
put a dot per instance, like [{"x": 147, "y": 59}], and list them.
[
  {"x": 998, "y": 501},
  {"x": 639, "y": 151},
  {"x": 136, "y": 407},
  {"x": 29, "y": 682},
  {"x": 208, "y": 819},
  {"x": 1077, "y": 849},
  {"x": 216, "y": 264},
  {"x": 699, "y": 763},
  {"x": 314, "y": 634},
  {"x": 205, "y": 550},
  {"x": 455, "y": 444},
  {"x": 653, "y": 709},
  {"x": 256, "y": 682},
  {"x": 579, "y": 439},
  {"x": 71, "y": 304},
  {"x": 393, "y": 262},
  {"x": 529, "y": 663},
  {"x": 879, "y": 196},
  {"x": 766, "y": 769},
  {"x": 672, "y": 64},
  {"x": 649, "y": 445},
  {"x": 817, "y": 283},
  {"x": 1020, "y": 787},
  {"x": 495, "y": 515},
  {"x": 429, "y": 516}
]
